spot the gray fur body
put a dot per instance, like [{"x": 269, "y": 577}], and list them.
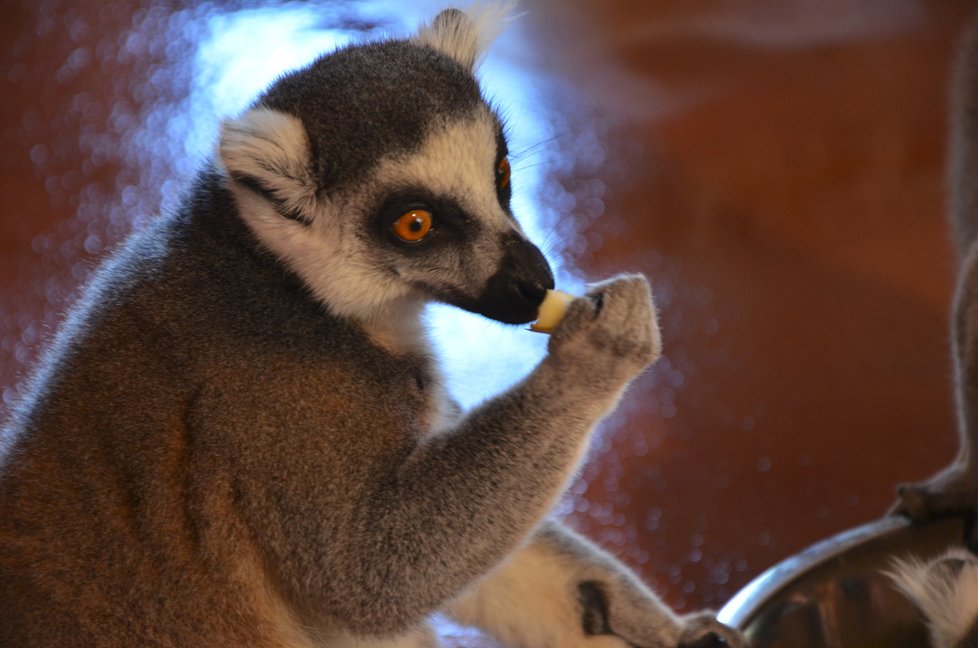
[
  {"x": 946, "y": 588},
  {"x": 239, "y": 437}
]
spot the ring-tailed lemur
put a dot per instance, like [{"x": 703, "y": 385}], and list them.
[
  {"x": 946, "y": 588},
  {"x": 238, "y": 437}
]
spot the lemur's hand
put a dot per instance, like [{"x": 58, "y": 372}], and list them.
[
  {"x": 950, "y": 493},
  {"x": 611, "y": 332},
  {"x": 698, "y": 630},
  {"x": 702, "y": 630}
]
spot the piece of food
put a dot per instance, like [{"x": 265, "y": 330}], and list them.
[{"x": 552, "y": 310}]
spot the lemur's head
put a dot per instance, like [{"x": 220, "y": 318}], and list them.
[{"x": 380, "y": 174}]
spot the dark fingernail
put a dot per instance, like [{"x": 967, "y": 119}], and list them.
[
  {"x": 710, "y": 640},
  {"x": 595, "y": 608}
]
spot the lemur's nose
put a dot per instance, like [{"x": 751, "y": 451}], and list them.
[
  {"x": 536, "y": 277},
  {"x": 514, "y": 293},
  {"x": 532, "y": 291}
]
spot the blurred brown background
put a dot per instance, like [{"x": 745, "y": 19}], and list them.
[{"x": 775, "y": 167}]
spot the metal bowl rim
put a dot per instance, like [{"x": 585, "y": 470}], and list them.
[{"x": 751, "y": 598}]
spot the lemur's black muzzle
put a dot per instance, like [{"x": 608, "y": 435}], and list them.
[{"x": 514, "y": 293}]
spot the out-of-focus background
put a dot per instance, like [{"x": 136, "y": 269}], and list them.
[{"x": 776, "y": 168}]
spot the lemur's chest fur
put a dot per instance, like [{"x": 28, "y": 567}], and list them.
[{"x": 402, "y": 335}]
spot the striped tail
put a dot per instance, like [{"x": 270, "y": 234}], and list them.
[{"x": 945, "y": 590}]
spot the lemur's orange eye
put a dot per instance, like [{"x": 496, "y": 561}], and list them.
[
  {"x": 502, "y": 174},
  {"x": 413, "y": 225}
]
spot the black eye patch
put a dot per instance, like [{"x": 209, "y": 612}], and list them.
[
  {"x": 504, "y": 185},
  {"x": 450, "y": 223}
]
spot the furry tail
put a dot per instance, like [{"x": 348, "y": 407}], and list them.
[
  {"x": 945, "y": 590},
  {"x": 963, "y": 163}
]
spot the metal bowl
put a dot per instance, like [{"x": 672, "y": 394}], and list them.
[{"x": 835, "y": 594}]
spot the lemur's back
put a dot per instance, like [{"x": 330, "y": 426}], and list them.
[{"x": 193, "y": 337}]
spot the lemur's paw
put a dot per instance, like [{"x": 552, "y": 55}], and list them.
[
  {"x": 952, "y": 492},
  {"x": 612, "y": 329},
  {"x": 702, "y": 630}
]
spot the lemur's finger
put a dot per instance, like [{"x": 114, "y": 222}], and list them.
[
  {"x": 709, "y": 640},
  {"x": 594, "y": 614},
  {"x": 971, "y": 532},
  {"x": 704, "y": 631}
]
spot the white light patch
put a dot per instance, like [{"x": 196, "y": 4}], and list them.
[{"x": 243, "y": 52}]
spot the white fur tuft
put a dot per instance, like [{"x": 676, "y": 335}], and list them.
[
  {"x": 527, "y": 602},
  {"x": 465, "y": 36},
  {"x": 272, "y": 148},
  {"x": 947, "y": 597}
]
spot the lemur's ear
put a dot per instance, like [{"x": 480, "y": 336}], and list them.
[
  {"x": 465, "y": 36},
  {"x": 267, "y": 152}
]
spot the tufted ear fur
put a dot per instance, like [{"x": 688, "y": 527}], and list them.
[
  {"x": 465, "y": 36},
  {"x": 267, "y": 152}
]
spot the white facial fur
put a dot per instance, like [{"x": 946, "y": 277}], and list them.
[
  {"x": 332, "y": 255},
  {"x": 272, "y": 147},
  {"x": 457, "y": 159}
]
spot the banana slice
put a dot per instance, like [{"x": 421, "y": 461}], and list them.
[{"x": 552, "y": 310}]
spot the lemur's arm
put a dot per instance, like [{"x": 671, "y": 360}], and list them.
[
  {"x": 954, "y": 490},
  {"x": 561, "y": 590},
  {"x": 467, "y": 497}
]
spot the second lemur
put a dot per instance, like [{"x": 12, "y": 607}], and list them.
[{"x": 946, "y": 588}]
